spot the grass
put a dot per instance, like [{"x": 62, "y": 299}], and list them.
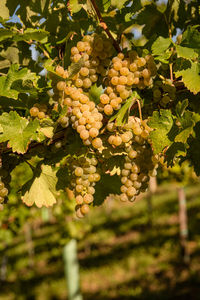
[{"x": 124, "y": 253}]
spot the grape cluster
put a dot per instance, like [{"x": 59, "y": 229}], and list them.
[
  {"x": 164, "y": 93},
  {"x": 83, "y": 114},
  {"x": 39, "y": 110},
  {"x": 95, "y": 51},
  {"x": 118, "y": 76},
  {"x": 139, "y": 165},
  {"x": 123, "y": 75},
  {"x": 132, "y": 131},
  {"x": 84, "y": 178}
]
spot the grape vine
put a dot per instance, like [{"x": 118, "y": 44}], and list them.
[{"x": 107, "y": 109}]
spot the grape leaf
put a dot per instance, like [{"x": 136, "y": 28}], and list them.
[
  {"x": 175, "y": 150},
  {"x": 95, "y": 92},
  {"x": 122, "y": 115},
  {"x": 180, "y": 108},
  {"x": 6, "y": 92},
  {"x": 190, "y": 77},
  {"x": 75, "y": 6},
  {"x": 47, "y": 131},
  {"x": 152, "y": 19},
  {"x": 107, "y": 185},
  {"x": 187, "y": 125},
  {"x": 193, "y": 154},
  {"x": 118, "y": 4},
  {"x": 162, "y": 123},
  {"x": 42, "y": 188},
  {"x": 160, "y": 45},
  {"x": 186, "y": 52},
  {"x": 30, "y": 34},
  {"x": 17, "y": 81},
  {"x": 191, "y": 38},
  {"x": 4, "y": 11},
  {"x": 18, "y": 131},
  {"x": 75, "y": 68},
  {"x": 5, "y": 34}
]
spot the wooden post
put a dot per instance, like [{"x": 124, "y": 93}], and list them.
[
  {"x": 72, "y": 270},
  {"x": 152, "y": 189},
  {"x": 183, "y": 225}
]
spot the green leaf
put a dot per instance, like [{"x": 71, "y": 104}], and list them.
[
  {"x": 118, "y": 4},
  {"x": 17, "y": 81},
  {"x": 162, "y": 123},
  {"x": 4, "y": 11},
  {"x": 191, "y": 38},
  {"x": 175, "y": 150},
  {"x": 160, "y": 45},
  {"x": 190, "y": 77},
  {"x": 18, "y": 131},
  {"x": 193, "y": 154},
  {"x": 107, "y": 185},
  {"x": 75, "y": 68},
  {"x": 11, "y": 54},
  {"x": 47, "y": 131},
  {"x": 6, "y": 92},
  {"x": 95, "y": 93},
  {"x": 187, "y": 125},
  {"x": 5, "y": 34},
  {"x": 48, "y": 65},
  {"x": 122, "y": 115},
  {"x": 32, "y": 34},
  {"x": 181, "y": 107},
  {"x": 153, "y": 21},
  {"x": 186, "y": 52},
  {"x": 75, "y": 6},
  {"x": 42, "y": 188}
]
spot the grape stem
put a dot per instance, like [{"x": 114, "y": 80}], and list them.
[
  {"x": 139, "y": 109},
  {"x": 104, "y": 26}
]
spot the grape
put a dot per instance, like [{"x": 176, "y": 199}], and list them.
[
  {"x": 122, "y": 80},
  {"x": 108, "y": 109},
  {"x": 124, "y": 71},
  {"x": 81, "y": 46},
  {"x": 93, "y": 132},
  {"x": 78, "y": 82},
  {"x": 123, "y": 197},
  {"x": 41, "y": 115},
  {"x": 84, "y": 134},
  {"x": 87, "y": 83},
  {"x": 84, "y": 71},
  {"x": 94, "y": 78},
  {"x": 97, "y": 143},
  {"x": 133, "y": 67},
  {"x": 3, "y": 192},
  {"x": 61, "y": 85},
  {"x": 114, "y": 80},
  {"x": 88, "y": 198},
  {"x": 85, "y": 209},
  {"x": 104, "y": 99},
  {"x": 78, "y": 171},
  {"x": 76, "y": 57},
  {"x": 120, "y": 55},
  {"x": 79, "y": 199},
  {"x": 117, "y": 141},
  {"x": 74, "y": 50},
  {"x": 34, "y": 111}
]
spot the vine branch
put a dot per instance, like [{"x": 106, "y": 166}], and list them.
[{"x": 104, "y": 26}]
